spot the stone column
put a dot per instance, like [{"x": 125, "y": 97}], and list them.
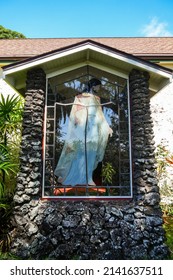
[
  {"x": 145, "y": 183},
  {"x": 28, "y": 189},
  {"x": 144, "y": 166}
]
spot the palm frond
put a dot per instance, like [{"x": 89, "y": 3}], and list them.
[
  {"x": 8, "y": 105},
  {"x": 6, "y": 167}
]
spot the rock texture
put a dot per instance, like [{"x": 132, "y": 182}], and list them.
[
  {"x": 88, "y": 230},
  {"x": 93, "y": 229}
]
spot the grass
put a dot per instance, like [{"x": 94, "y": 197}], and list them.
[
  {"x": 8, "y": 256},
  {"x": 168, "y": 226}
]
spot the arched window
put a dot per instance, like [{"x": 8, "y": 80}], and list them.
[{"x": 79, "y": 161}]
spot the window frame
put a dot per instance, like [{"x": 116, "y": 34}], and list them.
[{"x": 55, "y": 197}]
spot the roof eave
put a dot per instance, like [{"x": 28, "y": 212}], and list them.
[{"x": 112, "y": 53}]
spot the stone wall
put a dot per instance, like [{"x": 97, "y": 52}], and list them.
[
  {"x": 88, "y": 230},
  {"x": 102, "y": 229}
]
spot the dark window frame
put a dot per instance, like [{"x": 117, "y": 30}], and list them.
[{"x": 53, "y": 121}]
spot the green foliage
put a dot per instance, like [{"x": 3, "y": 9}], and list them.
[
  {"x": 5, "y": 225},
  {"x": 5, "y": 242},
  {"x": 5, "y": 168},
  {"x": 107, "y": 173},
  {"x": 168, "y": 227},
  {"x": 167, "y": 210},
  {"x": 164, "y": 161},
  {"x": 11, "y": 109},
  {"x": 8, "y": 256},
  {"x": 10, "y": 115},
  {"x": 161, "y": 155},
  {"x": 9, "y": 34}
]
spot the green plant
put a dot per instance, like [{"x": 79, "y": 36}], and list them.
[
  {"x": 107, "y": 173},
  {"x": 11, "y": 109},
  {"x": 9, "y": 34},
  {"x": 168, "y": 227},
  {"x": 161, "y": 155},
  {"x": 8, "y": 256},
  {"x": 5, "y": 225},
  {"x": 167, "y": 209},
  {"x": 6, "y": 166},
  {"x": 164, "y": 160}
]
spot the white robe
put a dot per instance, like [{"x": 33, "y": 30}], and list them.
[{"x": 86, "y": 141}]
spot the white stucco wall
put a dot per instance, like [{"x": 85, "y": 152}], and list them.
[
  {"x": 162, "y": 114},
  {"x": 5, "y": 89}
]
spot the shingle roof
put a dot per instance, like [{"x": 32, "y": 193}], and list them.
[
  {"x": 78, "y": 54},
  {"x": 139, "y": 46}
]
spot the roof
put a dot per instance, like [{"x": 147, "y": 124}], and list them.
[
  {"x": 87, "y": 52},
  {"x": 139, "y": 46}
]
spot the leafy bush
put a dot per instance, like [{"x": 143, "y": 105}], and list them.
[
  {"x": 6, "y": 167},
  {"x": 11, "y": 109},
  {"x": 164, "y": 163}
]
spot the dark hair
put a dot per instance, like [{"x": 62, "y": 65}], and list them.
[{"x": 91, "y": 83}]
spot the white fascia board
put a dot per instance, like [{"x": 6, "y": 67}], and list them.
[
  {"x": 43, "y": 60},
  {"x": 132, "y": 62},
  {"x": 48, "y": 58}
]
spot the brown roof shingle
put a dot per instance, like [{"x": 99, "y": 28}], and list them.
[{"x": 139, "y": 46}]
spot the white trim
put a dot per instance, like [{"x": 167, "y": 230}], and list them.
[
  {"x": 39, "y": 61},
  {"x": 132, "y": 62},
  {"x": 88, "y": 46},
  {"x": 82, "y": 64}
]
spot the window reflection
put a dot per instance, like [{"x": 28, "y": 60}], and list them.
[{"x": 112, "y": 174}]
